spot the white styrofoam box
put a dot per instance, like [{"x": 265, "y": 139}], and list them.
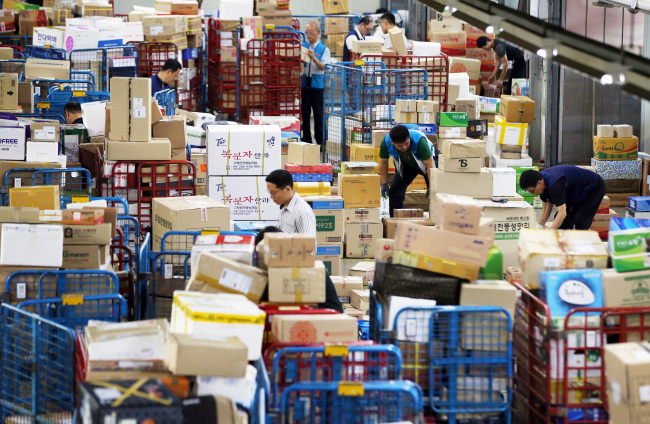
[
  {"x": 31, "y": 245},
  {"x": 504, "y": 181},
  {"x": 422, "y": 48},
  {"x": 195, "y": 136},
  {"x": 45, "y": 151},
  {"x": 461, "y": 79},
  {"x": 406, "y": 329},
  {"x": 497, "y": 162},
  {"x": 132, "y": 31},
  {"x": 247, "y": 197},
  {"x": 81, "y": 38},
  {"x": 49, "y": 36},
  {"x": 90, "y": 112},
  {"x": 240, "y": 390},
  {"x": 12, "y": 143},
  {"x": 243, "y": 149},
  {"x": 234, "y": 9},
  {"x": 191, "y": 308}
]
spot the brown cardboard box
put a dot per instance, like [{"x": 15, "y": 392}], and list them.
[
  {"x": 452, "y": 132},
  {"x": 471, "y": 165},
  {"x": 623, "y": 131},
  {"x": 47, "y": 69},
  {"x": 179, "y": 154},
  {"x": 358, "y": 167},
  {"x": 131, "y": 112},
  {"x": 289, "y": 250},
  {"x": 86, "y": 256},
  {"x": 19, "y": 215},
  {"x": 164, "y": 25},
  {"x": 406, "y": 105},
  {"x": 469, "y": 106},
  {"x": 336, "y": 7},
  {"x": 195, "y": 41},
  {"x": 513, "y": 274},
  {"x": 304, "y": 153},
  {"x": 605, "y": 131},
  {"x": 314, "y": 328},
  {"x": 82, "y": 217},
  {"x": 384, "y": 250},
  {"x": 476, "y": 185},
  {"x": 45, "y": 131},
  {"x": 428, "y": 106},
  {"x": 174, "y": 129},
  {"x": 439, "y": 265},
  {"x": 297, "y": 285},
  {"x": 363, "y": 152},
  {"x": 406, "y": 117},
  {"x": 390, "y": 224},
  {"x": 360, "y": 239},
  {"x": 277, "y": 18},
  {"x": 360, "y": 299},
  {"x": 397, "y": 39},
  {"x": 184, "y": 7},
  {"x": 361, "y": 215},
  {"x": 194, "y": 24},
  {"x": 228, "y": 276},
  {"x": 92, "y": 9},
  {"x": 626, "y": 289},
  {"x": 41, "y": 197},
  {"x": 367, "y": 46},
  {"x": 87, "y": 234},
  {"x": 8, "y": 92},
  {"x": 179, "y": 39},
  {"x": 460, "y": 214},
  {"x": 110, "y": 217},
  {"x": 408, "y": 213},
  {"x": 156, "y": 149},
  {"x": 360, "y": 190},
  {"x": 344, "y": 286},
  {"x": 187, "y": 355},
  {"x": 461, "y": 149},
  {"x": 365, "y": 270},
  {"x": 493, "y": 293},
  {"x": 517, "y": 109},
  {"x": 468, "y": 249},
  {"x": 187, "y": 213},
  {"x": 627, "y": 374},
  {"x": 26, "y": 97}
]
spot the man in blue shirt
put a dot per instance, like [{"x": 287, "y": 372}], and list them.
[
  {"x": 72, "y": 112},
  {"x": 313, "y": 84},
  {"x": 166, "y": 76},
  {"x": 360, "y": 31}
]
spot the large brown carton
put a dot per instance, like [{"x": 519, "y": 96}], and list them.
[
  {"x": 476, "y": 185},
  {"x": 187, "y": 355},
  {"x": 172, "y": 128},
  {"x": 467, "y": 148},
  {"x": 131, "y": 110},
  {"x": 87, "y": 234},
  {"x": 187, "y": 213},
  {"x": 156, "y": 149},
  {"x": 297, "y": 285},
  {"x": 344, "y": 286},
  {"x": 86, "y": 256},
  {"x": 390, "y": 224},
  {"x": 471, "y": 165},
  {"x": 314, "y": 328},
  {"x": 626, "y": 289},
  {"x": 517, "y": 109},
  {"x": 289, "y": 250},
  {"x": 628, "y": 373},
  {"x": 360, "y": 190},
  {"x": 164, "y": 25},
  {"x": 41, "y": 197},
  {"x": 360, "y": 239},
  {"x": 9, "y": 92},
  {"x": 47, "y": 69},
  {"x": 460, "y": 214}
]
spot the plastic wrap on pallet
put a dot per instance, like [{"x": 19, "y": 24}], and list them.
[{"x": 618, "y": 169}]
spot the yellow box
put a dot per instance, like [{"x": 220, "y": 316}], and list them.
[
  {"x": 361, "y": 152},
  {"x": 41, "y": 197},
  {"x": 312, "y": 189},
  {"x": 439, "y": 265},
  {"x": 514, "y": 134},
  {"x": 360, "y": 190},
  {"x": 609, "y": 148}
]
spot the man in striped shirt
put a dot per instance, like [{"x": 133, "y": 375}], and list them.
[{"x": 296, "y": 216}]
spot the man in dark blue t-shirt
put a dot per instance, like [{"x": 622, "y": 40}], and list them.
[{"x": 166, "y": 76}]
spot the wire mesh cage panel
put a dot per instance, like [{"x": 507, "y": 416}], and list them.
[
  {"x": 152, "y": 57},
  {"x": 56, "y": 100},
  {"x": 90, "y": 60},
  {"x": 171, "y": 272},
  {"x": 37, "y": 369},
  {"x": 282, "y": 80},
  {"x": 71, "y": 181},
  {"x": 119, "y": 62},
  {"x": 334, "y": 29},
  {"x": 387, "y": 86},
  {"x": 50, "y": 53},
  {"x": 15, "y": 66},
  {"x": 251, "y": 75},
  {"x": 16, "y": 40},
  {"x": 351, "y": 402}
]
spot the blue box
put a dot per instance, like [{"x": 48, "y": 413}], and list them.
[
  {"x": 564, "y": 290},
  {"x": 429, "y": 129},
  {"x": 639, "y": 203},
  {"x": 328, "y": 250},
  {"x": 326, "y": 203},
  {"x": 252, "y": 226},
  {"x": 189, "y": 54},
  {"x": 110, "y": 43},
  {"x": 313, "y": 178}
]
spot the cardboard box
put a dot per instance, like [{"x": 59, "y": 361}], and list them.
[
  {"x": 605, "y": 131},
  {"x": 304, "y": 153},
  {"x": 390, "y": 224},
  {"x": 110, "y": 215},
  {"x": 514, "y": 134},
  {"x": 398, "y": 41},
  {"x": 344, "y": 286},
  {"x": 360, "y": 239},
  {"x": 9, "y": 92},
  {"x": 87, "y": 234},
  {"x": 357, "y": 167},
  {"x": 279, "y": 18},
  {"x": 86, "y": 257},
  {"x": 460, "y": 214},
  {"x": 314, "y": 328},
  {"x": 131, "y": 112},
  {"x": 362, "y": 215},
  {"x": 172, "y": 128},
  {"x": 626, "y": 289},
  {"x": 82, "y": 217},
  {"x": 367, "y": 47},
  {"x": 384, "y": 250},
  {"x": 406, "y": 117},
  {"x": 360, "y": 190},
  {"x": 330, "y": 254},
  {"x": 408, "y": 213},
  {"x": 566, "y": 289},
  {"x": 289, "y": 250},
  {"x": 12, "y": 145},
  {"x": 472, "y": 67},
  {"x": 297, "y": 285},
  {"x": 365, "y": 270},
  {"x": 180, "y": 39},
  {"x": 187, "y": 355},
  {"x": 406, "y": 105},
  {"x": 361, "y": 152},
  {"x": 215, "y": 273},
  {"x": 426, "y": 118},
  {"x": 336, "y": 7},
  {"x": 493, "y": 293},
  {"x": 439, "y": 265},
  {"x": 616, "y": 148},
  {"x": 471, "y": 165},
  {"x": 378, "y": 136},
  {"x": 247, "y": 198},
  {"x": 164, "y": 25},
  {"x": 156, "y": 149},
  {"x": 469, "y": 106},
  {"x": 452, "y": 132},
  {"x": 45, "y": 131},
  {"x": 462, "y": 149},
  {"x": 243, "y": 150},
  {"x": 19, "y": 215},
  {"x": 41, "y": 197},
  {"x": 623, "y": 131},
  {"x": 360, "y": 299},
  {"x": 187, "y": 213},
  {"x": 329, "y": 218},
  {"x": 26, "y": 97},
  {"x": 476, "y": 185},
  {"x": 253, "y": 27},
  {"x": 452, "y": 43},
  {"x": 431, "y": 241},
  {"x": 627, "y": 376},
  {"x": 517, "y": 109},
  {"x": 31, "y": 245},
  {"x": 41, "y": 152}
]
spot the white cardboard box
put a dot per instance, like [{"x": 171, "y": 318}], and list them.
[
  {"x": 44, "y": 151},
  {"x": 240, "y": 390},
  {"x": 49, "y": 36},
  {"x": 504, "y": 181},
  {"x": 12, "y": 143},
  {"x": 243, "y": 149},
  {"x": 81, "y": 38},
  {"x": 31, "y": 245},
  {"x": 247, "y": 198},
  {"x": 497, "y": 162}
]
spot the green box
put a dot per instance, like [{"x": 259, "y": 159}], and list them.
[
  {"x": 493, "y": 269},
  {"x": 453, "y": 119},
  {"x": 628, "y": 249},
  {"x": 72, "y": 135}
]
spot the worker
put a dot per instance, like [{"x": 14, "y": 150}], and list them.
[
  {"x": 296, "y": 216},
  {"x": 331, "y": 298},
  {"x": 72, "y": 112},
  {"x": 504, "y": 53},
  {"x": 313, "y": 84},
  {"x": 386, "y": 23},
  {"x": 413, "y": 155},
  {"x": 166, "y": 76},
  {"x": 576, "y": 193},
  {"x": 366, "y": 24}
]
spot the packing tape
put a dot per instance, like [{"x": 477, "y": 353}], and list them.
[
  {"x": 212, "y": 317},
  {"x": 504, "y": 124},
  {"x": 298, "y": 296},
  {"x": 131, "y": 391}
]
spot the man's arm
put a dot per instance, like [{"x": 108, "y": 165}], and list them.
[
  {"x": 546, "y": 213},
  {"x": 429, "y": 163},
  {"x": 326, "y": 58},
  {"x": 559, "y": 218},
  {"x": 383, "y": 170},
  {"x": 349, "y": 40},
  {"x": 504, "y": 69},
  {"x": 306, "y": 223}
]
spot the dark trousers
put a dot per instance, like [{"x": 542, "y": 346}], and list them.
[
  {"x": 581, "y": 216},
  {"x": 397, "y": 191},
  {"x": 312, "y": 99}
]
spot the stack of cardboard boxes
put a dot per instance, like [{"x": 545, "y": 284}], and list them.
[
  {"x": 166, "y": 29},
  {"x": 616, "y": 161},
  {"x": 87, "y": 239},
  {"x": 511, "y": 132},
  {"x": 330, "y": 230},
  {"x": 312, "y": 177}
]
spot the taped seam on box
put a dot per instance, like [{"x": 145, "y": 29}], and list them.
[{"x": 224, "y": 319}]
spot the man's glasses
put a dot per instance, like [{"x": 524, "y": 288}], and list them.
[{"x": 274, "y": 192}]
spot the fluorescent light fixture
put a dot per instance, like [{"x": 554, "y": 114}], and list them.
[
  {"x": 542, "y": 53},
  {"x": 453, "y": 10},
  {"x": 554, "y": 52},
  {"x": 606, "y": 79},
  {"x": 489, "y": 30}
]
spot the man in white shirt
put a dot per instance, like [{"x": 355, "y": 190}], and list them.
[
  {"x": 366, "y": 24},
  {"x": 313, "y": 84},
  {"x": 386, "y": 23},
  {"x": 296, "y": 216}
]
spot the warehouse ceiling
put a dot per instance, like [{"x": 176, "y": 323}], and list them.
[{"x": 608, "y": 64}]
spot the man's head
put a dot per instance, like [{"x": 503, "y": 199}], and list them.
[
  {"x": 270, "y": 229},
  {"x": 387, "y": 21},
  {"x": 72, "y": 112},
  {"x": 170, "y": 71},
  {"x": 280, "y": 186},
  {"x": 313, "y": 32},
  {"x": 366, "y": 25},
  {"x": 532, "y": 181},
  {"x": 484, "y": 43},
  {"x": 400, "y": 137}
]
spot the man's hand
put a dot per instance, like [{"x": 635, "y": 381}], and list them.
[
  {"x": 427, "y": 195},
  {"x": 500, "y": 83},
  {"x": 311, "y": 54},
  {"x": 384, "y": 190}
]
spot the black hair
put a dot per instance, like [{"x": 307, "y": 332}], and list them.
[
  {"x": 399, "y": 134},
  {"x": 389, "y": 17},
  {"x": 72, "y": 107},
  {"x": 172, "y": 65},
  {"x": 482, "y": 41},
  {"x": 270, "y": 229},
  {"x": 529, "y": 179},
  {"x": 281, "y": 178},
  {"x": 382, "y": 10},
  {"x": 365, "y": 20}
]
